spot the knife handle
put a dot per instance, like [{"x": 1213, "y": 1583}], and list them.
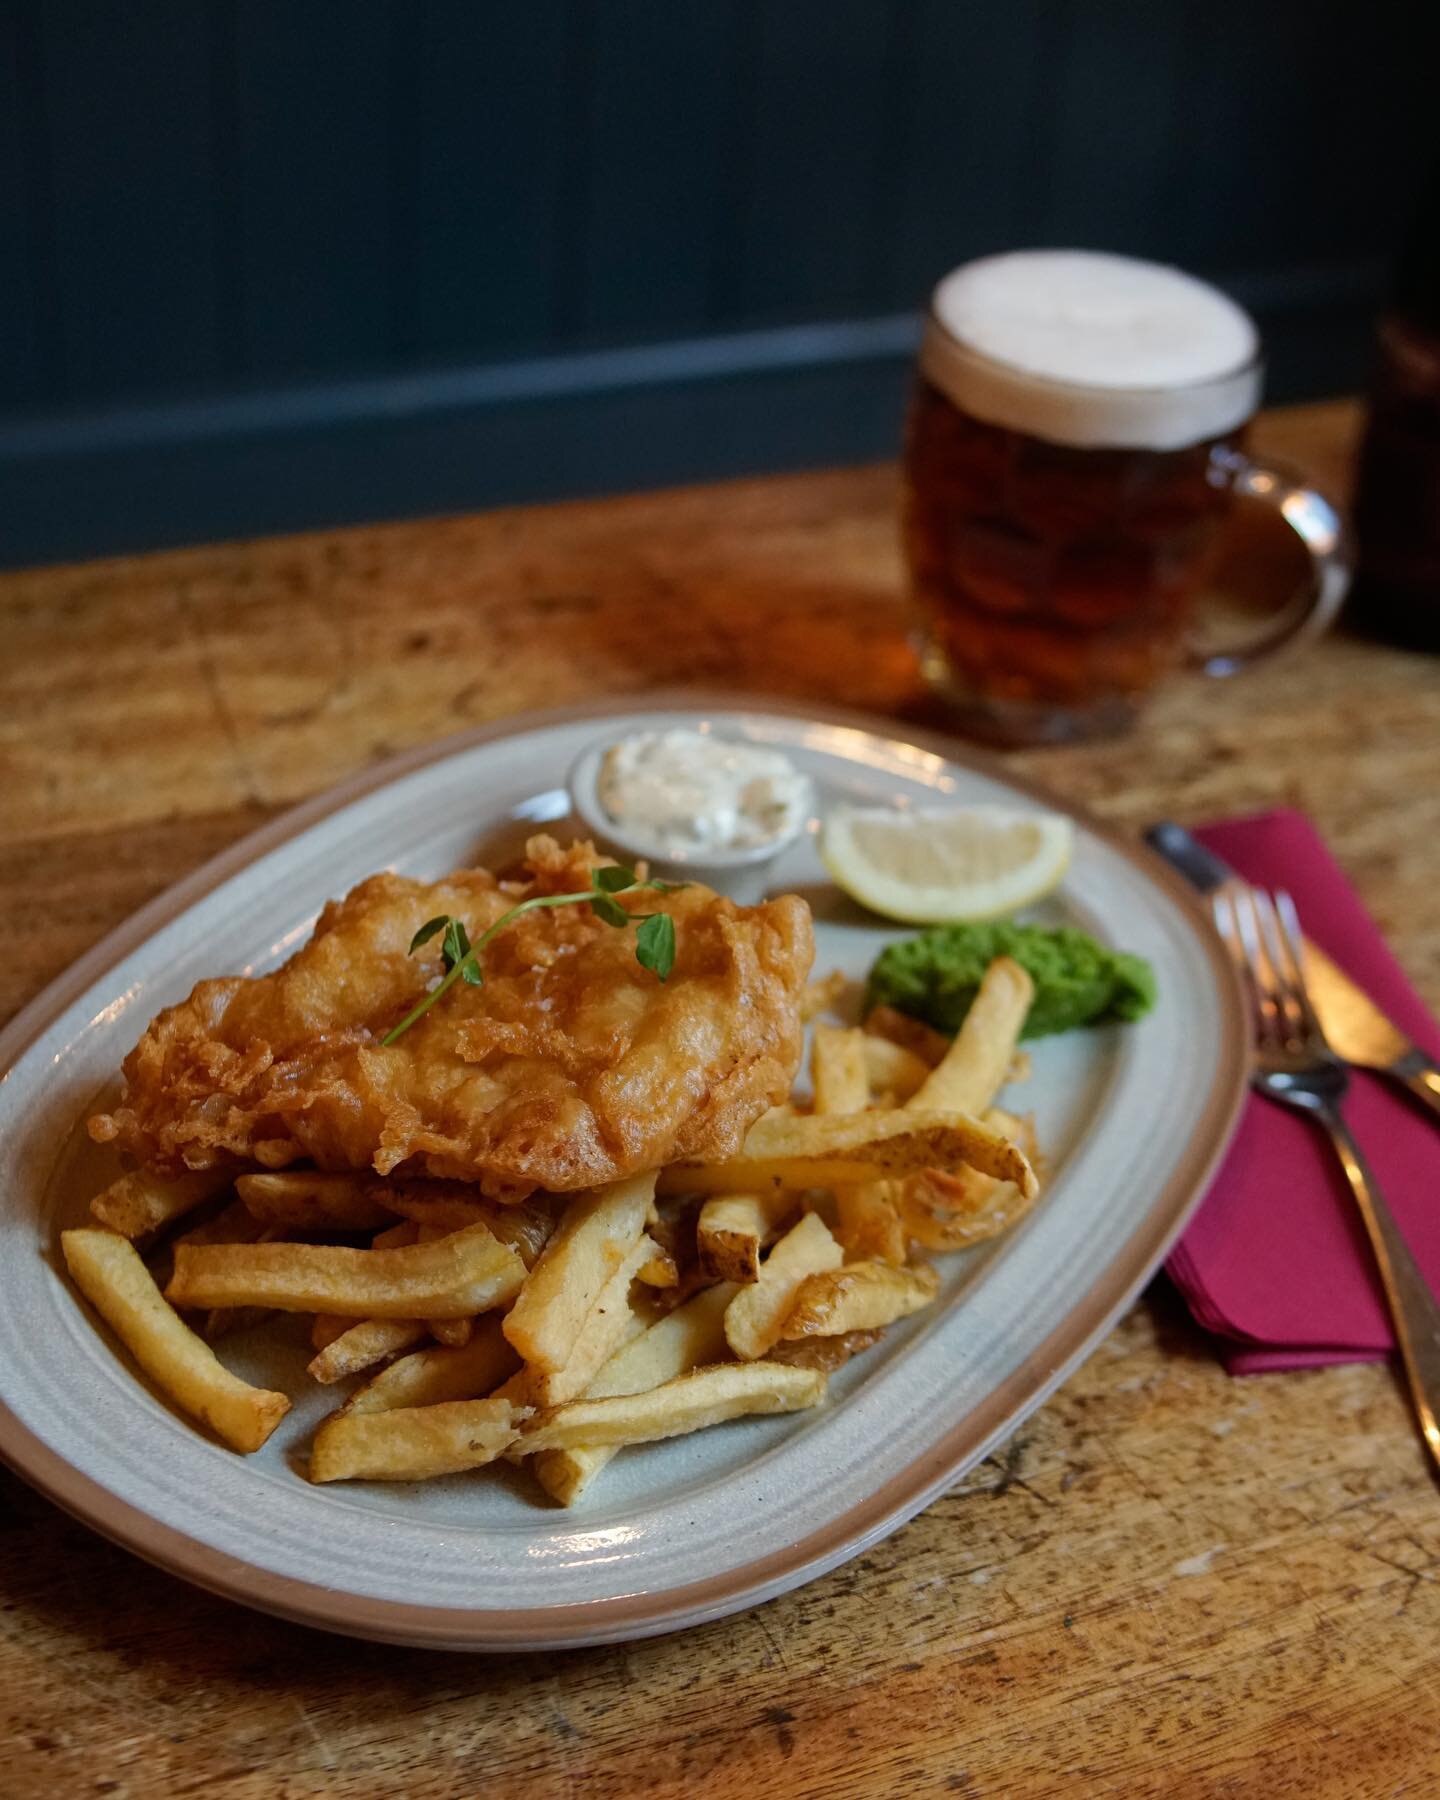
[
  {"x": 1421, "y": 1074},
  {"x": 1190, "y": 858},
  {"x": 1414, "y": 1310}
]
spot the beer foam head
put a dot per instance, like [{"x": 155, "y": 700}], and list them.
[{"x": 1091, "y": 350}]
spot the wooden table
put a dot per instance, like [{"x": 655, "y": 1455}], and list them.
[{"x": 1169, "y": 1582}]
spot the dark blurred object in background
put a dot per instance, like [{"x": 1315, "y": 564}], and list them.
[{"x": 1397, "y": 498}]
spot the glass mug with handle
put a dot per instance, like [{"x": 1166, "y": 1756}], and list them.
[{"x": 1075, "y": 445}]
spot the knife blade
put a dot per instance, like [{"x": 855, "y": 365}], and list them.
[{"x": 1358, "y": 1031}]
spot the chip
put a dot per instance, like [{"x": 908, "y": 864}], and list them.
[
  {"x": 426, "y": 1377},
  {"x": 686, "y": 1339},
  {"x": 863, "y": 1296},
  {"x": 836, "y": 1152},
  {"x": 732, "y": 1230},
  {"x": 413, "y": 1443},
  {"x": 595, "y": 1235},
  {"x": 468, "y": 1272},
  {"x": 108, "y": 1271},
  {"x": 688, "y": 1403},
  {"x": 755, "y": 1317},
  {"x": 307, "y": 1200},
  {"x": 140, "y": 1204}
]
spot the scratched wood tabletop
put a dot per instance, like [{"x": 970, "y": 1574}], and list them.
[{"x": 1168, "y": 1583}]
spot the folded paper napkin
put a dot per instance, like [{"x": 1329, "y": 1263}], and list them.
[{"x": 1276, "y": 1262}]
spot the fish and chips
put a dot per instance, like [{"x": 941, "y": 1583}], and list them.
[{"x": 542, "y": 1196}]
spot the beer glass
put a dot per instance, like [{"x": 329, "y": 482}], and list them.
[{"x": 1075, "y": 445}]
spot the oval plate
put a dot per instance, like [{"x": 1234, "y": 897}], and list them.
[{"x": 1132, "y": 1121}]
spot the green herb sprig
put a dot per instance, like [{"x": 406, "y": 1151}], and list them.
[{"x": 654, "y": 941}]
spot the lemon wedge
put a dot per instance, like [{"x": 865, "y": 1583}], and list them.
[{"x": 936, "y": 866}]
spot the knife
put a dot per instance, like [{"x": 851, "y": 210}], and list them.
[{"x": 1357, "y": 1029}]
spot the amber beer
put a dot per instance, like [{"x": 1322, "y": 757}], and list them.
[{"x": 1075, "y": 441}]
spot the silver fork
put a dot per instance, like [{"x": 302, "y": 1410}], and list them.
[{"x": 1296, "y": 1066}]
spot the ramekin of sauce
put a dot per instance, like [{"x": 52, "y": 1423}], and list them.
[{"x": 693, "y": 805}]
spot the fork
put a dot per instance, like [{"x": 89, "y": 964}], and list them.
[{"x": 1296, "y": 1066}]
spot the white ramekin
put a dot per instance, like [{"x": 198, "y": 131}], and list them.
[{"x": 741, "y": 875}]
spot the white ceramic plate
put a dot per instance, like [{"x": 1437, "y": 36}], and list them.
[{"x": 1132, "y": 1121}]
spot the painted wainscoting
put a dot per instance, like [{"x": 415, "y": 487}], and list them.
[{"x": 265, "y": 265}]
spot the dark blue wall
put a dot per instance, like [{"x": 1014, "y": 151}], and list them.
[{"x": 269, "y": 263}]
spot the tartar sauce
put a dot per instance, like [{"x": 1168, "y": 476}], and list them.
[{"x": 684, "y": 791}]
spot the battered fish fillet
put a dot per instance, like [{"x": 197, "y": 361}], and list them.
[{"x": 571, "y": 1066}]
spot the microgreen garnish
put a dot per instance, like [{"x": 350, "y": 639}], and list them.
[{"x": 654, "y": 941}]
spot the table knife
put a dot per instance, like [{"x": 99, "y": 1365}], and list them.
[{"x": 1357, "y": 1029}]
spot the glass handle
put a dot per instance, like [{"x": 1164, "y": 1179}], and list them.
[{"x": 1325, "y": 536}]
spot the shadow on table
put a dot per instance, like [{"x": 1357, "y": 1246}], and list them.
[{"x": 1176, "y": 1332}]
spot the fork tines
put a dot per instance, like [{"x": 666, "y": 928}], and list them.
[{"x": 1262, "y": 933}]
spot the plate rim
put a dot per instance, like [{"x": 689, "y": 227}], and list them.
[{"x": 907, "y": 1492}]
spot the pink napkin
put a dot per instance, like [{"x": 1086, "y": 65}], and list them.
[{"x": 1276, "y": 1262}]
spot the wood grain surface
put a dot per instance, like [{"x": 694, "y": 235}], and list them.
[{"x": 1168, "y": 1583}]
